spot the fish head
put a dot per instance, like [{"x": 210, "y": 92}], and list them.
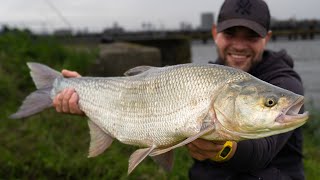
[{"x": 253, "y": 109}]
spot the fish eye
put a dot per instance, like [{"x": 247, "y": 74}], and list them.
[{"x": 270, "y": 102}]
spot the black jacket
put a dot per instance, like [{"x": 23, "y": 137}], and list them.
[{"x": 274, "y": 157}]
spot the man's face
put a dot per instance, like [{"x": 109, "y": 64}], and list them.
[{"x": 240, "y": 47}]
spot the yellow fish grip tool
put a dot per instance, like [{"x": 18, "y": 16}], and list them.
[{"x": 223, "y": 154}]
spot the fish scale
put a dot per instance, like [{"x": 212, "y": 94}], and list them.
[
  {"x": 160, "y": 109},
  {"x": 124, "y": 104}
]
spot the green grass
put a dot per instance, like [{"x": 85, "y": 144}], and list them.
[
  {"x": 312, "y": 157},
  {"x": 55, "y": 146},
  {"x": 52, "y": 145},
  {"x": 312, "y": 145}
]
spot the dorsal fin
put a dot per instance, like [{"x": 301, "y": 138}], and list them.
[{"x": 138, "y": 70}]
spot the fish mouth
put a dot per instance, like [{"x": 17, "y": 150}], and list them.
[
  {"x": 288, "y": 119},
  {"x": 291, "y": 117}
]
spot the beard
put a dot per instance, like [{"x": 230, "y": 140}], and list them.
[{"x": 244, "y": 59}]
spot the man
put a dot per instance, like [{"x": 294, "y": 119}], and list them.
[{"x": 241, "y": 35}]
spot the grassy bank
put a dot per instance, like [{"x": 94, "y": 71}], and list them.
[{"x": 54, "y": 146}]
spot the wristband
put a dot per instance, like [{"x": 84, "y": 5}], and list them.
[{"x": 224, "y": 153}]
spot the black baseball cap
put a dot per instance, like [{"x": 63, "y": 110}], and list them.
[{"x": 253, "y": 14}]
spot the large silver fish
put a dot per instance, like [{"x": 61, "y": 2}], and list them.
[{"x": 159, "y": 109}]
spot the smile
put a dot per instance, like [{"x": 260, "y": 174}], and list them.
[{"x": 238, "y": 56}]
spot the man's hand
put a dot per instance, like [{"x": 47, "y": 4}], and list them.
[
  {"x": 67, "y": 100},
  {"x": 201, "y": 149}
]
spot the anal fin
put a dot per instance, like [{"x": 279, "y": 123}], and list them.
[
  {"x": 100, "y": 140},
  {"x": 138, "y": 156}
]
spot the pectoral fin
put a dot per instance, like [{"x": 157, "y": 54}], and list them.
[
  {"x": 203, "y": 131},
  {"x": 165, "y": 160},
  {"x": 100, "y": 140},
  {"x": 138, "y": 156}
]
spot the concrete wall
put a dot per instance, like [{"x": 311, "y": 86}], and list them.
[
  {"x": 116, "y": 58},
  {"x": 173, "y": 50}
]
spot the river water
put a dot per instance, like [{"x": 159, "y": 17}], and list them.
[{"x": 306, "y": 54}]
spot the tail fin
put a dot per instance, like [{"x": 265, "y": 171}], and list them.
[{"x": 43, "y": 77}]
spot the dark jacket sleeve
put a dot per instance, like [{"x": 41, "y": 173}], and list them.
[{"x": 256, "y": 154}]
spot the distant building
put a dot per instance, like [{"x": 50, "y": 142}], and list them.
[
  {"x": 185, "y": 26},
  {"x": 207, "y": 20}
]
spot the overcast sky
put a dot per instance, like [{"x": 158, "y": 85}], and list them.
[{"x": 95, "y": 15}]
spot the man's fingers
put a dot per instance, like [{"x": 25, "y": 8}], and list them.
[
  {"x": 195, "y": 153},
  {"x": 57, "y": 102},
  {"x": 70, "y": 74},
  {"x": 206, "y": 145},
  {"x": 202, "y": 149},
  {"x": 65, "y": 101},
  {"x": 198, "y": 156},
  {"x": 73, "y": 104}
]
